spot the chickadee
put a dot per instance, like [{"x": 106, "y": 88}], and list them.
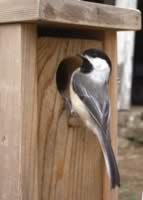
[{"x": 90, "y": 100}]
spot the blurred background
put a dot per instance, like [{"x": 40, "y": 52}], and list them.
[
  {"x": 130, "y": 62},
  {"x": 130, "y": 106}
]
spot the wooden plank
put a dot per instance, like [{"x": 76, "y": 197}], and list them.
[
  {"x": 89, "y": 15},
  {"x": 18, "y": 180},
  {"x": 70, "y": 159},
  {"x": 110, "y": 46},
  {"x": 29, "y": 148},
  {"x": 18, "y": 10},
  {"x": 67, "y": 13}
]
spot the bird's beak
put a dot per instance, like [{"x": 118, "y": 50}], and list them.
[{"x": 81, "y": 55}]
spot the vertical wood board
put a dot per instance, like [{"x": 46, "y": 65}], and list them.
[
  {"x": 110, "y": 47},
  {"x": 10, "y": 112},
  {"x": 29, "y": 148},
  {"x": 18, "y": 179},
  {"x": 70, "y": 158}
]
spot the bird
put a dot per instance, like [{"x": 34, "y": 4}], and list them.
[{"x": 90, "y": 101}]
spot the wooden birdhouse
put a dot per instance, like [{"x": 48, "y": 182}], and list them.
[{"x": 43, "y": 156}]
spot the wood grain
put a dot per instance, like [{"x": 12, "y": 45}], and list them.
[
  {"x": 29, "y": 104},
  {"x": 18, "y": 144},
  {"x": 67, "y": 13},
  {"x": 18, "y": 10},
  {"x": 70, "y": 158},
  {"x": 83, "y": 14},
  {"x": 44, "y": 156},
  {"x": 110, "y": 46}
]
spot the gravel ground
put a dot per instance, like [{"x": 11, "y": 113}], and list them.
[{"x": 131, "y": 154}]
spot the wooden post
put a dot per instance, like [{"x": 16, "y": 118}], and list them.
[
  {"x": 110, "y": 46},
  {"x": 18, "y": 112}
]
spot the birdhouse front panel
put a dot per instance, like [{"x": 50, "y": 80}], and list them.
[{"x": 70, "y": 161}]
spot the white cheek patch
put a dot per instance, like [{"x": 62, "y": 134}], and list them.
[
  {"x": 101, "y": 69},
  {"x": 99, "y": 64}
]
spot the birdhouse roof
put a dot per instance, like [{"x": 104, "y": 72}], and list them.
[{"x": 70, "y": 13}]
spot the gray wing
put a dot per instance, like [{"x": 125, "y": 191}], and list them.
[
  {"x": 94, "y": 97},
  {"x": 106, "y": 117},
  {"x": 96, "y": 100}
]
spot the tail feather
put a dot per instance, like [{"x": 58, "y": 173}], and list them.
[
  {"x": 109, "y": 157},
  {"x": 115, "y": 176}
]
